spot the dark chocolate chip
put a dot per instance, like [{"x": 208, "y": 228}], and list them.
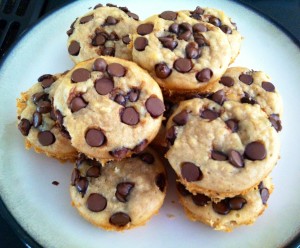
[
  {"x": 190, "y": 172},
  {"x": 39, "y": 96},
  {"x": 227, "y": 81},
  {"x": 219, "y": 97},
  {"x": 119, "y": 219},
  {"x": 162, "y": 70},
  {"x": 95, "y": 137},
  {"x": 77, "y": 103},
  {"x": 111, "y": 5},
  {"x": 198, "y": 27},
  {"x": 233, "y": 125},
  {"x": 221, "y": 207},
  {"x": 44, "y": 107},
  {"x": 94, "y": 171},
  {"x": 185, "y": 31},
  {"x": 182, "y": 190},
  {"x": 219, "y": 156},
  {"x": 108, "y": 51},
  {"x": 248, "y": 99},
  {"x": 183, "y": 65},
  {"x": 160, "y": 181},
  {"x": 37, "y": 119},
  {"x": 120, "y": 153},
  {"x": 99, "y": 65},
  {"x": 264, "y": 194},
  {"x": 245, "y": 78},
  {"x": 147, "y": 158},
  {"x": 99, "y": 5},
  {"x": 99, "y": 40},
  {"x": 255, "y": 151},
  {"x": 46, "y": 138},
  {"x": 214, "y": 21},
  {"x": 104, "y": 86},
  {"x": 116, "y": 70},
  {"x": 123, "y": 191},
  {"x": 80, "y": 75},
  {"x": 155, "y": 106},
  {"x": 75, "y": 176},
  {"x": 200, "y": 199},
  {"x": 181, "y": 118},
  {"x": 237, "y": 203},
  {"x": 86, "y": 19},
  {"x": 120, "y": 99},
  {"x": 133, "y": 15},
  {"x": 141, "y": 146},
  {"x": 168, "y": 15},
  {"x": 74, "y": 48},
  {"x": 70, "y": 31},
  {"x": 110, "y": 20},
  {"x": 126, "y": 39},
  {"x": 144, "y": 29},
  {"x": 168, "y": 42},
  {"x": 200, "y": 40},
  {"x": 197, "y": 13},
  {"x": 174, "y": 28},
  {"x": 204, "y": 75},
  {"x": 46, "y": 80},
  {"x": 24, "y": 126},
  {"x": 171, "y": 135},
  {"x": 129, "y": 116},
  {"x": 140, "y": 43},
  {"x": 209, "y": 114},
  {"x": 133, "y": 95},
  {"x": 226, "y": 29},
  {"x": 81, "y": 185},
  {"x": 276, "y": 122},
  {"x": 113, "y": 36},
  {"x": 96, "y": 202},
  {"x": 52, "y": 114},
  {"x": 192, "y": 50},
  {"x": 267, "y": 86},
  {"x": 59, "y": 118},
  {"x": 236, "y": 159}
]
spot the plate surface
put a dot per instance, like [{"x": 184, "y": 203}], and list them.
[{"x": 44, "y": 210}]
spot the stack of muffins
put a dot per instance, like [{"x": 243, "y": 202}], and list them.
[{"x": 218, "y": 125}]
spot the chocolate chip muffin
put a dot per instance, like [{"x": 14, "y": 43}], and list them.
[
  {"x": 103, "y": 31},
  {"x": 111, "y": 108},
  {"x": 120, "y": 195},
  {"x": 37, "y": 120}
]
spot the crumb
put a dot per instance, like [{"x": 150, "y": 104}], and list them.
[
  {"x": 55, "y": 183},
  {"x": 171, "y": 216}
]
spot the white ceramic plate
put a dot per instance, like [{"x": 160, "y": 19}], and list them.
[{"x": 44, "y": 210}]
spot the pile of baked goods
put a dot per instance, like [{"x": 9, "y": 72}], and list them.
[{"x": 164, "y": 82}]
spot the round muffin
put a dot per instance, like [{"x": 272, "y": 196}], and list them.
[
  {"x": 111, "y": 108},
  {"x": 182, "y": 54},
  {"x": 120, "y": 195},
  {"x": 37, "y": 120},
  {"x": 105, "y": 31},
  {"x": 221, "y": 151}
]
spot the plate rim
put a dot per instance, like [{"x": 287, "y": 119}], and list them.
[{"x": 7, "y": 216}]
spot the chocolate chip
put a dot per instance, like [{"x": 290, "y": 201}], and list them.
[
  {"x": 226, "y": 29},
  {"x": 219, "y": 97},
  {"x": 81, "y": 185},
  {"x": 52, "y": 114},
  {"x": 46, "y": 138},
  {"x": 133, "y": 15},
  {"x": 126, "y": 39},
  {"x": 214, "y": 21},
  {"x": 108, "y": 51},
  {"x": 227, "y": 81},
  {"x": 43, "y": 107},
  {"x": 233, "y": 125},
  {"x": 200, "y": 199},
  {"x": 116, "y": 70},
  {"x": 276, "y": 122},
  {"x": 181, "y": 118},
  {"x": 94, "y": 171},
  {"x": 140, "y": 43},
  {"x": 198, "y": 27},
  {"x": 190, "y": 172},
  {"x": 77, "y": 103},
  {"x": 104, "y": 86},
  {"x": 123, "y": 191},
  {"x": 209, "y": 114},
  {"x": 113, "y": 36},
  {"x": 120, "y": 99},
  {"x": 120, "y": 153},
  {"x": 162, "y": 70},
  {"x": 155, "y": 106},
  {"x": 267, "y": 86},
  {"x": 171, "y": 135},
  {"x": 86, "y": 19},
  {"x": 129, "y": 116},
  {"x": 70, "y": 31},
  {"x": 160, "y": 182},
  {"x": 99, "y": 40},
  {"x": 46, "y": 80},
  {"x": 96, "y": 202},
  {"x": 264, "y": 194},
  {"x": 204, "y": 75},
  {"x": 174, "y": 28},
  {"x": 185, "y": 31},
  {"x": 221, "y": 207},
  {"x": 183, "y": 65},
  {"x": 141, "y": 146},
  {"x": 110, "y": 20},
  {"x": 37, "y": 119},
  {"x": 99, "y": 5},
  {"x": 200, "y": 40},
  {"x": 75, "y": 176},
  {"x": 24, "y": 126},
  {"x": 245, "y": 78},
  {"x": 147, "y": 158},
  {"x": 219, "y": 156},
  {"x": 80, "y": 75},
  {"x": 236, "y": 159},
  {"x": 237, "y": 203},
  {"x": 168, "y": 42},
  {"x": 192, "y": 51},
  {"x": 248, "y": 99},
  {"x": 39, "y": 96},
  {"x": 99, "y": 65},
  {"x": 182, "y": 190},
  {"x": 144, "y": 29},
  {"x": 93, "y": 162},
  {"x": 255, "y": 151},
  {"x": 95, "y": 137},
  {"x": 197, "y": 13},
  {"x": 111, "y": 5},
  {"x": 74, "y": 48},
  {"x": 168, "y": 15},
  {"x": 59, "y": 118},
  {"x": 119, "y": 219},
  {"x": 64, "y": 132},
  {"x": 133, "y": 95}
]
